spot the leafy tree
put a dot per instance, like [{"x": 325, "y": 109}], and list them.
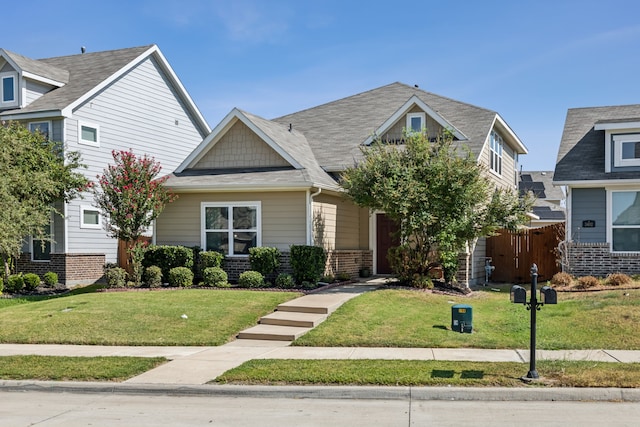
[
  {"x": 34, "y": 173},
  {"x": 439, "y": 195},
  {"x": 131, "y": 197}
]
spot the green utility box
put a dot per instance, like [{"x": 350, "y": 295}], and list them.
[{"x": 462, "y": 318}]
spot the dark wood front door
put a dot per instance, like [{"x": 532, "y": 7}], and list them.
[{"x": 385, "y": 239}]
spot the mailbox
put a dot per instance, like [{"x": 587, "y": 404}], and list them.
[
  {"x": 548, "y": 295},
  {"x": 518, "y": 295},
  {"x": 461, "y": 318}
]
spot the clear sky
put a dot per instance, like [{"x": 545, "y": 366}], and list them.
[{"x": 528, "y": 60}]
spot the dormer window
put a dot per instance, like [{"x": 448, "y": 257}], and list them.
[
  {"x": 495, "y": 153},
  {"x": 9, "y": 88},
  {"x": 416, "y": 122},
  {"x": 626, "y": 149}
]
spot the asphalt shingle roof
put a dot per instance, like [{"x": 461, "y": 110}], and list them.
[{"x": 581, "y": 155}]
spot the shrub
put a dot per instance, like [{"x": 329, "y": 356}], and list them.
[
  {"x": 15, "y": 283},
  {"x": 50, "y": 278},
  {"x": 31, "y": 281},
  {"x": 210, "y": 259},
  {"x": 153, "y": 276},
  {"x": 1, "y": 285},
  {"x": 308, "y": 286},
  {"x": 587, "y": 282},
  {"x": 285, "y": 281},
  {"x": 343, "y": 276},
  {"x": 328, "y": 278},
  {"x": 115, "y": 277},
  {"x": 264, "y": 260},
  {"x": 617, "y": 279},
  {"x": 214, "y": 276},
  {"x": 180, "y": 277},
  {"x": 307, "y": 262},
  {"x": 168, "y": 257},
  {"x": 562, "y": 279},
  {"x": 251, "y": 279},
  {"x": 421, "y": 281}
]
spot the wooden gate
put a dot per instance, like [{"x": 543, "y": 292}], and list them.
[{"x": 513, "y": 252}]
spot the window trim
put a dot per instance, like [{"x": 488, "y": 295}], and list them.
[
  {"x": 83, "y": 209},
  {"x": 48, "y": 122},
  {"x": 423, "y": 121},
  {"x": 618, "y": 141},
  {"x": 496, "y": 158},
  {"x": 258, "y": 230},
  {"x": 14, "y": 77},
  {"x": 82, "y": 124},
  {"x": 610, "y": 226}
]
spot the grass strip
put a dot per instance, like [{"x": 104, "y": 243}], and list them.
[
  {"x": 63, "y": 368},
  {"x": 431, "y": 373}
]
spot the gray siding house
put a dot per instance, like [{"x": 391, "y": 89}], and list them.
[
  {"x": 599, "y": 164},
  {"x": 96, "y": 103},
  {"x": 259, "y": 182},
  {"x": 549, "y": 206}
]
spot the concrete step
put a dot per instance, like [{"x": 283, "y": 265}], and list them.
[
  {"x": 318, "y": 303},
  {"x": 272, "y": 333},
  {"x": 292, "y": 318}
]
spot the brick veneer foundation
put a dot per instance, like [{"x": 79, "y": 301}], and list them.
[
  {"x": 72, "y": 269},
  {"x": 596, "y": 259}
]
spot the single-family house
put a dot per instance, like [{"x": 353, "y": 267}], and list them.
[
  {"x": 549, "y": 205},
  {"x": 599, "y": 164},
  {"x": 95, "y": 103},
  {"x": 259, "y": 182}
]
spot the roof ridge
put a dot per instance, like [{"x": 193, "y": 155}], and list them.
[
  {"x": 145, "y": 47},
  {"x": 449, "y": 98},
  {"x": 601, "y": 107}
]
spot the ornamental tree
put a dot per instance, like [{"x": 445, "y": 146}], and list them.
[
  {"x": 130, "y": 197},
  {"x": 438, "y": 194},
  {"x": 34, "y": 173}
]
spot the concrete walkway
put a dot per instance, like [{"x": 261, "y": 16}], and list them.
[{"x": 199, "y": 365}]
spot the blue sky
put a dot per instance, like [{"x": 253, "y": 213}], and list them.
[{"x": 528, "y": 60}]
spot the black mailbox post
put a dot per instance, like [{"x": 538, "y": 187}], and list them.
[{"x": 519, "y": 296}]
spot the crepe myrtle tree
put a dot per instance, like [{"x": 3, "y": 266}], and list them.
[
  {"x": 131, "y": 196},
  {"x": 438, "y": 194},
  {"x": 35, "y": 172}
]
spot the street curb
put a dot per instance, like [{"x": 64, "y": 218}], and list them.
[{"x": 334, "y": 392}]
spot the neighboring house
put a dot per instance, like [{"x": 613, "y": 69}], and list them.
[
  {"x": 95, "y": 103},
  {"x": 599, "y": 163},
  {"x": 258, "y": 182},
  {"x": 549, "y": 207}
]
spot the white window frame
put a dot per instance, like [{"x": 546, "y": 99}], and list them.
[
  {"x": 95, "y": 143},
  {"x": 423, "y": 122},
  {"x": 34, "y": 241},
  {"x": 610, "y": 219},
  {"x": 230, "y": 205},
  {"x": 48, "y": 123},
  {"x": 83, "y": 209},
  {"x": 14, "y": 77},
  {"x": 495, "y": 156},
  {"x": 618, "y": 141}
]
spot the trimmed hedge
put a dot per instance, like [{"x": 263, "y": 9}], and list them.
[
  {"x": 264, "y": 259},
  {"x": 153, "y": 276},
  {"x": 168, "y": 257},
  {"x": 308, "y": 263},
  {"x": 31, "y": 281},
  {"x": 210, "y": 259},
  {"x": 215, "y": 276},
  {"x": 251, "y": 279},
  {"x": 181, "y": 277},
  {"x": 50, "y": 278}
]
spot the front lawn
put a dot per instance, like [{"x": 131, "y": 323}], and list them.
[
  {"x": 211, "y": 317},
  {"x": 411, "y": 318}
]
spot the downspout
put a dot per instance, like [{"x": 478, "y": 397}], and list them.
[{"x": 310, "y": 198}]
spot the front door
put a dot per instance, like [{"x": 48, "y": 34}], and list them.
[{"x": 385, "y": 239}]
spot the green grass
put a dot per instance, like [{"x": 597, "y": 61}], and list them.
[
  {"x": 431, "y": 373},
  {"x": 49, "y": 368},
  {"x": 409, "y": 318},
  {"x": 136, "y": 318}
]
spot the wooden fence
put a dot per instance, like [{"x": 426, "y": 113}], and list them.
[{"x": 513, "y": 252}]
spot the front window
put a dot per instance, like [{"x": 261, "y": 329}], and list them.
[
  {"x": 42, "y": 127},
  {"x": 495, "y": 154},
  {"x": 90, "y": 217},
  {"x": 625, "y": 227},
  {"x": 231, "y": 228},
  {"x": 41, "y": 249},
  {"x": 9, "y": 88},
  {"x": 626, "y": 150}
]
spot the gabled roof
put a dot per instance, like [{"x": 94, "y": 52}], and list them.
[
  {"x": 36, "y": 70},
  {"x": 89, "y": 73},
  {"x": 548, "y": 205},
  {"x": 581, "y": 155},
  {"x": 290, "y": 144},
  {"x": 336, "y": 130}
]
